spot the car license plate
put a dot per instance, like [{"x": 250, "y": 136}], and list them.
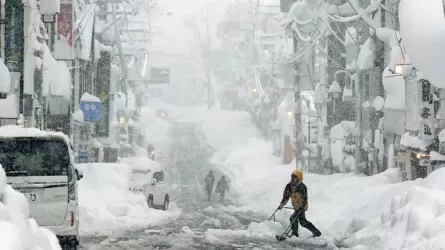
[{"x": 31, "y": 195}]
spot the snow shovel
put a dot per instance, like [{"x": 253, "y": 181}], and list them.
[
  {"x": 286, "y": 231},
  {"x": 273, "y": 215}
]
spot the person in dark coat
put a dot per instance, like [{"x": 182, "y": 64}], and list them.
[
  {"x": 209, "y": 180},
  {"x": 221, "y": 187},
  {"x": 296, "y": 191}
]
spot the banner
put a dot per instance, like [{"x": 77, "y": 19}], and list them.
[
  {"x": 64, "y": 44},
  {"x": 14, "y": 36},
  {"x": 103, "y": 92}
]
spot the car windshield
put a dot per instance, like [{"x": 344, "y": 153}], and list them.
[{"x": 34, "y": 157}]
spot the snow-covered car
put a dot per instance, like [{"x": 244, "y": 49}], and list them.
[
  {"x": 148, "y": 177},
  {"x": 40, "y": 165}
]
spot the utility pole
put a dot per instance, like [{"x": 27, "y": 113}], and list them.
[
  {"x": 120, "y": 51},
  {"x": 207, "y": 61},
  {"x": 297, "y": 114}
]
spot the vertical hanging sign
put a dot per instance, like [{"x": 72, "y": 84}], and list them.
[
  {"x": 14, "y": 35},
  {"x": 103, "y": 92},
  {"x": 64, "y": 44}
]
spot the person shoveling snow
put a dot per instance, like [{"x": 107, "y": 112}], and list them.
[{"x": 296, "y": 191}]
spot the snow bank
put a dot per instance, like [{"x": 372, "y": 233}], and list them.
[
  {"x": 423, "y": 31},
  {"x": 17, "y": 230},
  {"x": 107, "y": 205}
]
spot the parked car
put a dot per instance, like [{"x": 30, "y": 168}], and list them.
[
  {"x": 148, "y": 177},
  {"x": 40, "y": 165}
]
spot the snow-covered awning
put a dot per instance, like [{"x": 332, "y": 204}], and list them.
[
  {"x": 408, "y": 140},
  {"x": 9, "y": 107},
  {"x": 56, "y": 76},
  {"x": 5, "y": 79}
]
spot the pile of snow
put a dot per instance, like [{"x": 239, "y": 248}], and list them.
[
  {"x": 423, "y": 31},
  {"x": 376, "y": 212},
  {"x": 17, "y": 230},
  {"x": 107, "y": 205}
]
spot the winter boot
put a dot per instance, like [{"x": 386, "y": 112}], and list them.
[{"x": 316, "y": 233}]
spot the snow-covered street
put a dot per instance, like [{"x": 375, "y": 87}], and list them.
[{"x": 202, "y": 224}]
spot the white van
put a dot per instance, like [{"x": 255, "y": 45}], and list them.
[
  {"x": 148, "y": 177},
  {"x": 40, "y": 165}
]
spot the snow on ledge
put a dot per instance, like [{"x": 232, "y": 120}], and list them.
[
  {"x": 408, "y": 140},
  {"x": 87, "y": 97}
]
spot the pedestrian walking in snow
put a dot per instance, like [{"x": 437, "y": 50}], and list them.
[
  {"x": 221, "y": 187},
  {"x": 296, "y": 191},
  {"x": 209, "y": 180}
]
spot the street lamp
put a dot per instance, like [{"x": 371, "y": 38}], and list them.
[
  {"x": 319, "y": 96},
  {"x": 335, "y": 89}
]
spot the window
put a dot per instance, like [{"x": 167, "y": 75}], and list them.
[
  {"x": 34, "y": 157},
  {"x": 158, "y": 176}
]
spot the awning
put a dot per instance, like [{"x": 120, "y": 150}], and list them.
[
  {"x": 9, "y": 107},
  {"x": 58, "y": 105}
]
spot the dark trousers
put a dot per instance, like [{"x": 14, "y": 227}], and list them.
[
  {"x": 300, "y": 217},
  {"x": 209, "y": 189}
]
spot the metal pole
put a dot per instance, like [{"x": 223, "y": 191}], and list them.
[
  {"x": 297, "y": 114},
  {"x": 358, "y": 132}
]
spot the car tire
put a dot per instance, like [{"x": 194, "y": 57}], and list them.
[
  {"x": 166, "y": 203},
  {"x": 150, "y": 201}
]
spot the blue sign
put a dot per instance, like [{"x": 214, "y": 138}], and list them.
[{"x": 91, "y": 111}]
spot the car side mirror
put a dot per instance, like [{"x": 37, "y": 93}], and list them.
[{"x": 79, "y": 174}]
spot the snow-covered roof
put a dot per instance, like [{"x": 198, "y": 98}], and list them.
[{"x": 12, "y": 131}]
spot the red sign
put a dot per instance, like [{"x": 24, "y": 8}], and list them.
[{"x": 65, "y": 23}]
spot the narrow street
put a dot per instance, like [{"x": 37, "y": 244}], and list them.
[{"x": 187, "y": 166}]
